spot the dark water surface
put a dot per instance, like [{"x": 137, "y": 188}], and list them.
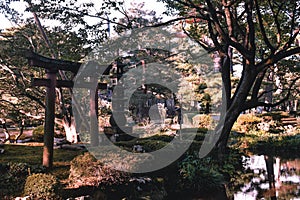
[{"x": 273, "y": 178}]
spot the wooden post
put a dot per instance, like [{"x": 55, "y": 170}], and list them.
[
  {"x": 94, "y": 130},
  {"x": 49, "y": 120},
  {"x": 52, "y": 66}
]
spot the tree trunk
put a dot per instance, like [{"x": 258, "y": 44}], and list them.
[
  {"x": 5, "y": 130},
  {"x": 70, "y": 129},
  {"x": 269, "y": 87},
  {"x": 224, "y": 130},
  {"x": 22, "y": 124},
  {"x": 233, "y": 107},
  {"x": 295, "y": 105}
]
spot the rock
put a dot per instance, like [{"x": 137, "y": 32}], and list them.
[
  {"x": 138, "y": 148},
  {"x": 70, "y": 147},
  {"x": 175, "y": 127},
  {"x": 143, "y": 180},
  {"x": 60, "y": 141},
  {"x": 23, "y": 198},
  {"x": 264, "y": 126},
  {"x": 86, "y": 197},
  {"x": 25, "y": 140}
]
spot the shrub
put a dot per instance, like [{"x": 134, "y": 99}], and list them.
[
  {"x": 202, "y": 121},
  {"x": 12, "y": 178},
  {"x": 152, "y": 145},
  {"x": 42, "y": 186},
  {"x": 85, "y": 170},
  {"x": 149, "y": 144},
  {"x": 196, "y": 176},
  {"x": 38, "y": 134},
  {"x": 246, "y": 122},
  {"x": 18, "y": 169}
]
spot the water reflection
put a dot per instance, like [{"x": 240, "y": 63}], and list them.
[{"x": 273, "y": 178}]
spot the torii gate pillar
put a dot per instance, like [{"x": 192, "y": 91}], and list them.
[{"x": 49, "y": 120}]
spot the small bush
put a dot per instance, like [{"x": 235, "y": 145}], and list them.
[
  {"x": 42, "y": 186},
  {"x": 246, "y": 122},
  {"x": 202, "y": 121},
  {"x": 12, "y": 178},
  {"x": 38, "y": 134},
  {"x": 152, "y": 145},
  {"x": 197, "y": 177},
  {"x": 85, "y": 170},
  {"x": 18, "y": 169}
]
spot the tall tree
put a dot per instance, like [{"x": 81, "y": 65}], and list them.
[{"x": 262, "y": 34}]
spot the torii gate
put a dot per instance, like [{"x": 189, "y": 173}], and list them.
[{"x": 52, "y": 66}]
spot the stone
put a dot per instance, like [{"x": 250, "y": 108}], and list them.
[{"x": 23, "y": 198}]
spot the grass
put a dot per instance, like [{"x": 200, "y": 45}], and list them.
[
  {"x": 33, "y": 155},
  {"x": 22, "y": 154}
]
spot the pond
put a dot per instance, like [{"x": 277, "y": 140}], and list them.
[{"x": 273, "y": 178}]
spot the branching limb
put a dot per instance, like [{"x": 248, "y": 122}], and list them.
[
  {"x": 255, "y": 102},
  {"x": 277, "y": 23},
  {"x": 262, "y": 28},
  {"x": 203, "y": 44},
  {"x": 251, "y": 31},
  {"x": 273, "y": 59},
  {"x": 257, "y": 84}
]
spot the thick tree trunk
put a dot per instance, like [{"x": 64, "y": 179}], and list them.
[
  {"x": 232, "y": 108},
  {"x": 224, "y": 130}
]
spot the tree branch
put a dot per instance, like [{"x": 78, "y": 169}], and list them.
[
  {"x": 36, "y": 99},
  {"x": 291, "y": 40},
  {"x": 257, "y": 84},
  {"x": 200, "y": 42},
  {"x": 173, "y": 20},
  {"x": 226, "y": 77},
  {"x": 277, "y": 57},
  {"x": 251, "y": 31},
  {"x": 255, "y": 102},
  {"x": 262, "y": 28},
  {"x": 275, "y": 15}
]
